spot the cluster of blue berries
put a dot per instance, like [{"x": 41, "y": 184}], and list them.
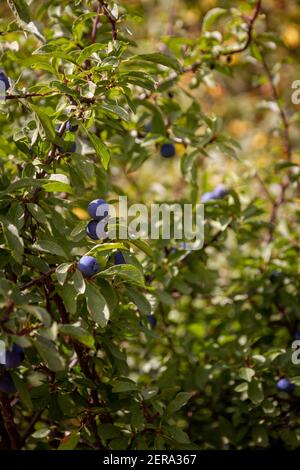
[
  {"x": 98, "y": 209},
  {"x": 13, "y": 359}
]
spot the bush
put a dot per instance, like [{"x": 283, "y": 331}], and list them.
[{"x": 147, "y": 345}]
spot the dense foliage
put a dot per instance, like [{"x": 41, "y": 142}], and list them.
[{"x": 162, "y": 348}]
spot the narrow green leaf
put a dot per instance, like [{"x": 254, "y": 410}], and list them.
[
  {"x": 100, "y": 149},
  {"x": 96, "y": 305}
]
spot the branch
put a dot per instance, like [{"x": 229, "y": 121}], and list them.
[
  {"x": 110, "y": 18},
  {"x": 194, "y": 67},
  {"x": 8, "y": 420},
  {"x": 30, "y": 427},
  {"x": 288, "y": 152},
  {"x": 251, "y": 22},
  {"x": 284, "y": 119},
  {"x": 38, "y": 280},
  {"x": 95, "y": 25}
]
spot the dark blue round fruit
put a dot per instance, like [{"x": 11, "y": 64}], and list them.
[
  {"x": 4, "y": 80},
  {"x": 98, "y": 209},
  {"x": 152, "y": 321},
  {"x": 285, "y": 385},
  {"x": 207, "y": 196},
  {"x": 88, "y": 265},
  {"x": 6, "y": 383},
  {"x": 14, "y": 357},
  {"x": 96, "y": 229},
  {"x": 167, "y": 150},
  {"x": 71, "y": 127},
  {"x": 91, "y": 230},
  {"x": 119, "y": 258},
  {"x": 219, "y": 192}
]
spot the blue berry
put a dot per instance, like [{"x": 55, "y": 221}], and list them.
[
  {"x": 152, "y": 321},
  {"x": 14, "y": 357},
  {"x": 167, "y": 150},
  {"x": 6, "y": 383},
  {"x": 88, "y": 265},
  {"x": 96, "y": 229},
  {"x": 71, "y": 127},
  {"x": 98, "y": 209},
  {"x": 4, "y": 79},
  {"x": 285, "y": 385},
  {"x": 119, "y": 258}
]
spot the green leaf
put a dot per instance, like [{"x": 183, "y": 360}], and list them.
[
  {"x": 78, "y": 282},
  {"x": 78, "y": 333},
  {"x": 41, "y": 433},
  {"x": 50, "y": 247},
  {"x": 96, "y": 305},
  {"x": 211, "y": 16},
  {"x": 124, "y": 386},
  {"x": 49, "y": 353},
  {"x": 162, "y": 59},
  {"x": 20, "y": 9},
  {"x": 39, "y": 312},
  {"x": 62, "y": 272},
  {"x": 116, "y": 109},
  {"x": 143, "y": 246},
  {"x": 22, "y": 390},
  {"x": 90, "y": 50},
  {"x": 179, "y": 401},
  {"x": 13, "y": 239},
  {"x": 100, "y": 149},
  {"x": 177, "y": 434},
  {"x": 139, "y": 300},
  {"x": 37, "y": 213},
  {"x": 69, "y": 442},
  {"x": 69, "y": 296},
  {"x": 126, "y": 272},
  {"x": 45, "y": 122},
  {"x": 246, "y": 373},
  {"x": 255, "y": 392}
]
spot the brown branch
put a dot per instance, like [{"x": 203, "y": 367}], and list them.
[
  {"x": 31, "y": 95},
  {"x": 194, "y": 67},
  {"x": 30, "y": 427},
  {"x": 38, "y": 280},
  {"x": 250, "y": 22},
  {"x": 95, "y": 25},
  {"x": 8, "y": 420},
  {"x": 281, "y": 199},
  {"x": 284, "y": 119},
  {"x": 110, "y": 18}
]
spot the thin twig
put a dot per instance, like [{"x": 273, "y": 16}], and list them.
[
  {"x": 281, "y": 199},
  {"x": 110, "y": 18},
  {"x": 38, "y": 280},
  {"x": 8, "y": 420},
  {"x": 95, "y": 25},
  {"x": 250, "y": 22}
]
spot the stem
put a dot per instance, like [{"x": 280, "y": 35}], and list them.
[
  {"x": 110, "y": 18},
  {"x": 288, "y": 153},
  {"x": 8, "y": 420},
  {"x": 95, "y": 25},
  {"x": 251, "y": 22},
  {"x": 38, "y": 280}
]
